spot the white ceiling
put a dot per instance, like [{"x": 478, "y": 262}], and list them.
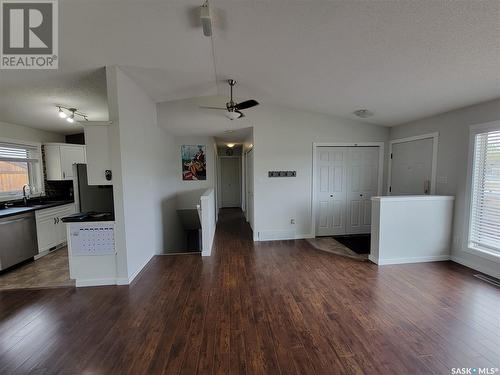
[{"x": 401, "y": 59}]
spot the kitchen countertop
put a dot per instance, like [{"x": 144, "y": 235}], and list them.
[
  {"x": 88, "y": 217},
  {"x": 11, "y": 211}
]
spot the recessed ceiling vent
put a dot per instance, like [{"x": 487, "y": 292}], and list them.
[{"x": 363, "y": 113}]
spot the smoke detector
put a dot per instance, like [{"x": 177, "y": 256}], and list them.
[{"x": 363, "y": 113}]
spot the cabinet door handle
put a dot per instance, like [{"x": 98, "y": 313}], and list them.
[
  {"x": 55, "y": 221},
  {"x": 64, "y": 174}
]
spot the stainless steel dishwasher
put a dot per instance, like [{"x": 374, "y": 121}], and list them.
[{"x": 18, "y": 241}]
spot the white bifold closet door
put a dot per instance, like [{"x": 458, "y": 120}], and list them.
[{"x": 346, "y": 179}]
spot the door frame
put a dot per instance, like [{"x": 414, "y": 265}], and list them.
[
  {"x": 219, "y": 176},
  {"x": 435, "y": 142},
  {"x": 381, "y": 156}
]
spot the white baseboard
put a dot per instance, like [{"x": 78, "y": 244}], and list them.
[
  {"x": 139, "y": 269},
  {"x": 280, "y": 235},
  {"x": 80, "y": 283},
  {"x": 434, "y": 258},
  {"x": 474, "y": 266},
  {"x": 112, "y": 281}
]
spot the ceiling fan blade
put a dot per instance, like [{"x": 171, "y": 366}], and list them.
[
  {"x": 246, "y": 104},
  {"x": 209, "y": 107}
]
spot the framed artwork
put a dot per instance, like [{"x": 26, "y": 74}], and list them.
[{"x": 194, "y": 163}]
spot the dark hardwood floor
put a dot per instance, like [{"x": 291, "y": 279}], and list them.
[{"x": 270, "y": 308}]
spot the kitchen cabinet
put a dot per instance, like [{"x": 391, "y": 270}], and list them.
[
  {"x": 59, "y": 160},
  {"x": 98, "y": 156},
  {"x": 51, "y": 231}
]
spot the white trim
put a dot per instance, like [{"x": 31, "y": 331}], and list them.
[
  {"x": 473, "y": 130},
  {"x": 79, "y": 283},
  {"x": 478, "y": 267},
  {"x": 491, "y": 256},
  {"x": 435, "y": 143},
  {"x": 381, "y": 156},
  {"x": 436, "y": 258},
  {"x": 38, "y": 175},
  {"x": 138, "y": 271},
  {"x": 112, "y": 281}
]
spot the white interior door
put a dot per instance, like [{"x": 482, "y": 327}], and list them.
[
  {"x": 362, "y": 185},
  {"x": 230, "y": 182},
  {"x": 249, "y": 187},
  {"x": 331, "y": 190},
  {"x": 411, "y": 167}
]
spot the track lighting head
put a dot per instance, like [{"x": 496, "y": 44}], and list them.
[
  {"x": 70, "y": 113},
  {"x": 61, "y": 113}
]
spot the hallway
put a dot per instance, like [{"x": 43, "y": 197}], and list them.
[{"x": 263, "y": 308}]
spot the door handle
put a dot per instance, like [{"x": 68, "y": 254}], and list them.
[
  {"x": 360, "y": 195},
  {"x": 331, "y": 195}
]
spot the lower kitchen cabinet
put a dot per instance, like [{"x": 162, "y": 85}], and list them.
[{"x": 51, "y": 231}]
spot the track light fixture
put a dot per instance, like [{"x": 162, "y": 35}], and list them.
[{"x": 70, "y": 113}]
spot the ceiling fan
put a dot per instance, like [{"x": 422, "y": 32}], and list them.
[{"x": 233, "y": 109}]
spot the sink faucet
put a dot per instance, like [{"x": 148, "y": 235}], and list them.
[{"x": 26, "y": 197}]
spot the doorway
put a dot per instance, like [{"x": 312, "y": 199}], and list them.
[
  {"x": 249, "y": 187},
  {"x": 345, "y": 178},
  {"x": 412, "y": 165},
  {"x": 230, "y": 181}
]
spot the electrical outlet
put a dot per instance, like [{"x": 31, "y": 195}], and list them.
[{"x": 292, "y": 221}]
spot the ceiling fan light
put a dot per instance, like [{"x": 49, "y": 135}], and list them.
[
  {"x": 232, "y": 115},
  {"x": 62, "y": 114},
  {"x": 230, "y": 145},
  {"x": 71, "y": 119}
]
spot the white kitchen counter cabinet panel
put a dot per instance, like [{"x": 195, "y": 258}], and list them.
[
  {"x": 411, "y": 229},
  {"x": 92, "y": 260}
]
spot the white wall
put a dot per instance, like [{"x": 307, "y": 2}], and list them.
[
  {"x": 422, "y": 236},
  {"x": 282, "y": 140},
  {"x": 145, "y": 169},
  {"x": 28, "y": 134},
  {"x": 453, "y": 128}
]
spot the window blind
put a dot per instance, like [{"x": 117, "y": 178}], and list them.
[
  {"x": 485, "y": 210},
  {"x": 13, "y": 152}
]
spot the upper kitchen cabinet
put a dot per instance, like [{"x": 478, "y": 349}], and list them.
[
  {"x": 59, "y": 160},
  {"x": 98, "y": 156}
]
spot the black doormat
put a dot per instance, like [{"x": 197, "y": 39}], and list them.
[{"x": 359, "y": 243}]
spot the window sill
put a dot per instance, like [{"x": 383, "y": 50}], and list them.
[{"x": 483, "y": 253}]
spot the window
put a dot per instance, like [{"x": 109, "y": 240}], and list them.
[
  {"x": 20, "y": 165},
  {"x": 484, "y": 224}
]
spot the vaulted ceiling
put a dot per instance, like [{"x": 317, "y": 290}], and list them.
[{"x": 401, "y": 59}]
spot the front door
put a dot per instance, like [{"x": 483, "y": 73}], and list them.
[{"x": 411, "y": 167}]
